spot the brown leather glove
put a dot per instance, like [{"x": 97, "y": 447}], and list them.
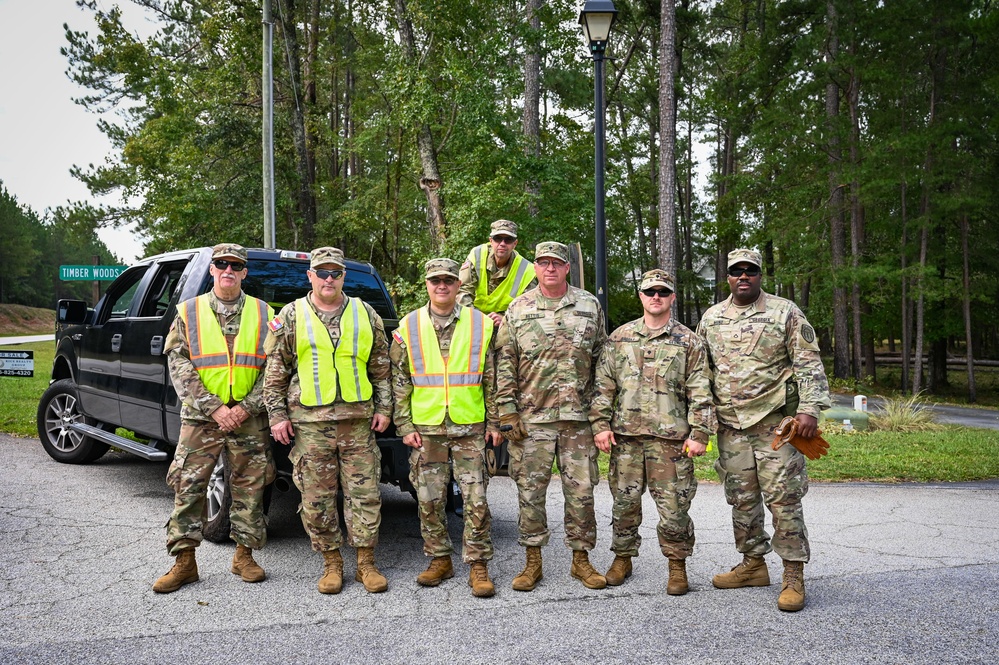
[
  {"x": 787, "y": 432},
  {"x": 512, "y": 427}
]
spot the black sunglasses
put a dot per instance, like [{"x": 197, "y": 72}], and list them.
[
  {"x": 222, "y": 264},
  {"x": 450, "y": 281},
  {"x": 662, "y": 293},
  {"x": 751, "y": 271},
  {"x": 504, "y": 240},
  {"x": 326, "y": 274}
]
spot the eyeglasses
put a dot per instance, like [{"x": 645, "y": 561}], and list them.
[
  {"x": 544, "y": 264},
  {"x": 222, "y": 264},
  {"x": 750, "y": 271},
  {"x": 504, "y": 240},
  {"x": 326, "y": 274},
  {"x": 436, "y": 281},
  {"x": 662, "y": 293}
]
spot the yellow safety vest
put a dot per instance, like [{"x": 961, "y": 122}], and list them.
[
  {"x": 513, "y": 285},
  {"x": 452, "y": 386},
  {"x": 321, "y": 366},
  {"x": 229, "y": 378}
]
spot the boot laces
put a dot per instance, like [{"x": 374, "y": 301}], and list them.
[{"x": 479, "y": 573}]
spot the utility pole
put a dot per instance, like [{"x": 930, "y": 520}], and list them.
[{"x": 270, "y": 240}]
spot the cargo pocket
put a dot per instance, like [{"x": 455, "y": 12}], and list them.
[{"x": 176, "y": 470}]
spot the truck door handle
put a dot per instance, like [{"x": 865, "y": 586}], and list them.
[
  {"x": 116, "y": 343},
  {"x": 156, "y": 345}
]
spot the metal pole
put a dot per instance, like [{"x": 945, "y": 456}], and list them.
[
  {"x": 601, "y": 224},
  {"x": 270, "y": 241}
]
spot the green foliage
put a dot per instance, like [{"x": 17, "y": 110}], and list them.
[{"x": 908, "y": 414}]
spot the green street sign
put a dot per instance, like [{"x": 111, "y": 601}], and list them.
[{"x": 90, "y": 273}]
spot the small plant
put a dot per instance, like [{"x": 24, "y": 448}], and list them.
[{"x": 905, "y": 414}]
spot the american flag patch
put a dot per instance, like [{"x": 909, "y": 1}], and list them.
[
  {"x": 275, "y": 324},
  {"x": 397, "y": 337}
]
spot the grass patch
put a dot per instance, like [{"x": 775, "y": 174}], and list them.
[
  {"x": 24, "y": 320},
  {"x": 19, "y": 396}
]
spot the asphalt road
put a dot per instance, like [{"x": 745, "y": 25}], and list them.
[{"x": 899, "y": 574}]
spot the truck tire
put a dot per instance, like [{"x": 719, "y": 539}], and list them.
[
  {"x": 218, "y": 526},
  {"x": 58, "y": 408}
]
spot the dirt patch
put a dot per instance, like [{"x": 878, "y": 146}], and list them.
[{"x": 23, "y": 320}]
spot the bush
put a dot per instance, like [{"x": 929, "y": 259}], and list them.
[{"x": 905, "y": 414}]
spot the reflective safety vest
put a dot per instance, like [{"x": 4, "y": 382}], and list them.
[
  {"x": 322, "y": 366},
  {"x": 452, "y": 386},
  {"x": 229, "y": 378},
  {"x": 513, "y": 285}
]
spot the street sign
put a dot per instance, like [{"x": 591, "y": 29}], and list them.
[
  {"x": 17, "y": 363},
  {"x": 90, "y": 273}
]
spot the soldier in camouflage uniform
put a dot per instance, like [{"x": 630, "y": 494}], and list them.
[
  {"x": 495, "y": 273},
  {"x": 326, "y": 387},
  {"x": 443, "y": 377},
  {"x": 222, "y": 413},
  {"x": 549, "y": 345},
  {"x": 765, "y": 365},
  {"x": 652, "y": 411}
]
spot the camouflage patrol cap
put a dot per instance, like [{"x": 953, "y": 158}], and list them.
[
  {"x": 326, "y": 255},
  {"x": 554, "y": 250},
  {"x": 657, "y": 277},
  {"x": 443, "y": 267},
  {"x": 503, "y": 227},
  {"x": 229, "y": 250},
  {"x": 744, "y": 256}
]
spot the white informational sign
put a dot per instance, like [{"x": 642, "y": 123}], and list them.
[{"x": 17, "y": 363}]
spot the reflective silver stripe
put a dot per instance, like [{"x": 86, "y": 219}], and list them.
[
  {"x": 249, "y": 360},
  {"x": 475, "y": 361},
  {"x": 428, "y": 381},
  {"x": 315, "y": 351},
  {"x": 415, "y": 348},
  {"x": 520, "y": 275},
  {"x": 469, "y": 379},
  {"x": 216, "y": 360},
  {"x": 353, "y": 356},
  {"x": 262, "y": 308},
  {"x": 194, "y": 341},
  {"x": 479, "y": 251}
]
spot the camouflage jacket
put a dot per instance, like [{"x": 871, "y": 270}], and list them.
[
  {"x": 283, "y": 389},
  {"x": 753, "y": 352},
  {"x": 197, "y": 404},
  {"x": 654, "y": 383},
  {"x": 402, "y": 385},
  {"x": 469, "y": 276},
  {"x": 548, "y": 351}
]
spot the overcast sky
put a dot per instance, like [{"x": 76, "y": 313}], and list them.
[{"x": 42, "y": 132}]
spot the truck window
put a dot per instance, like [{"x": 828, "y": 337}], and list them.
[
  {"x": 161, "y": 291},
  {"x": 120, "y": 300},
  {"x": 276, "y": 282},
  {"x": 365, "y": 286}
]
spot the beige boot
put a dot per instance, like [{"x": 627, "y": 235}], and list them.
[
  {"x": 619, "y": 571},
  {"x": 531, "y": 574},
  {"x": 184, "y": 571},
  {"x": 478, "y": 579},
  {"x": 440, "y": 569},
  {"x": 367, "y": 574},
  {"x": 751, "y": 571},
  {"x": 677, "y": 583},
  {"x": 583, "y": 571},
  {"x": 792, "y": 591},
  {"x": 332, "y": 579},
  {"x": 244, "y": 565}
]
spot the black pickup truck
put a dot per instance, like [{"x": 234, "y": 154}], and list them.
[{"x": 110, "y": 371}]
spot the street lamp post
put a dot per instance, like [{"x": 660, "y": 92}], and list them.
[{"x": 596, "y": 19}]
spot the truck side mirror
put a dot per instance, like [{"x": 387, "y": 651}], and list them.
[{"x": 71, "y": 312}]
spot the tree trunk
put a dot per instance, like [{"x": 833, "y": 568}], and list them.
[
  {"x": 906, "y": 308},
  {"x": 532, "y": 101},
  {"x": 636, "y": 206},
  {"x": 841, "y": 346},
  {"x": 667, "y": 137},
  {"x": 430, "y": 182},
  {"x": 966, "y": 307},
  {"x": 924, "y": 240}
]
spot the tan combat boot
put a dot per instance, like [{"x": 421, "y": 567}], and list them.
[
  {"x": 244, "y": 565},
  {"x": 440, "y": 569},
  {"x": 367, "y": 574},
  {"x": 583, "y": 571},
  {"x": 184, "y": 571},
  {"x": 478, "y": 579},
  {"x": 751, "y": 571},
  {"x": 619, "y": 571},
  {"x": 332, "y": 579},
  {"x": 792, "y": 591},
  {"x": 677, "y": 583},
  {"x": 531, "y": 574}
]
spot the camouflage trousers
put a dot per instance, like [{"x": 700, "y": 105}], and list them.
[
  {"x": 248, "y": 451},
  {"x": 329, "y": 456},
  {"x": 753, "y": 475},
  {"x": 531, "y": 468},
  {"x": 637, "y": 462},
  {"x": 430, "y": 473}
]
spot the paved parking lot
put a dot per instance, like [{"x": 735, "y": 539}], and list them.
[{"x": 900, "y": 574}]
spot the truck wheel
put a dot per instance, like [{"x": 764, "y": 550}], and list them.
[
  {"x": 217, "y": 524},
  {"x": 58, "y": 408}
]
